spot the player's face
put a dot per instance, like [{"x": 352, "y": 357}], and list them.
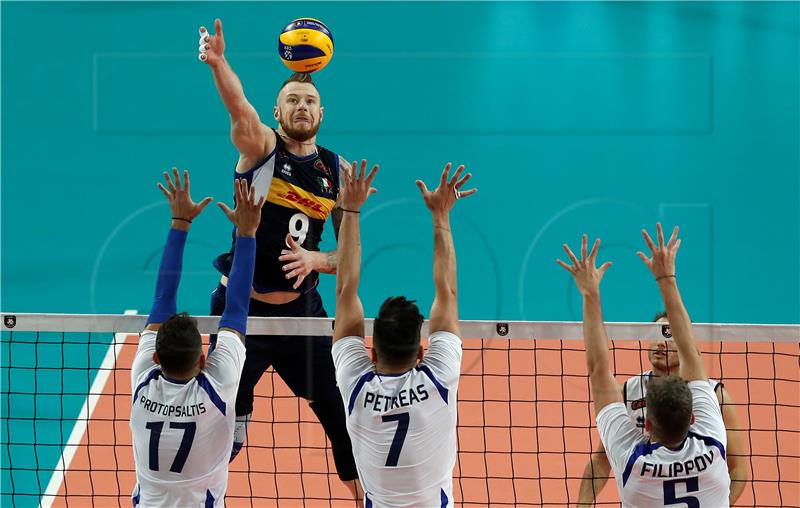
[
  {"x": 299, "y": 112},
  {"x": 663, "y": 355}
]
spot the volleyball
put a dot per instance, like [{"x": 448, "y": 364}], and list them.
[{"x": 305, "y": 45}]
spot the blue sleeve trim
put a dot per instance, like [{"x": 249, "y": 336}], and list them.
[
  {"x": 205, "y": 384},
  {"x": 369, "y": 376},
  {"x": 165, "y": 303},
  {"x": 153, "y": 375},
  {"x": 209, "y": 500},
  {"x": 136, "y": 497},
  {"x": 444, "y": 499},
  {"x": 444, "y": 392},
  {"x": 367, "y": 501},
  {"x": 710, "y": 441},
  {"x": 640, "y": 451},
  {"x": 240, "y": 284}
]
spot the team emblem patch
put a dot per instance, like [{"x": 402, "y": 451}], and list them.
[
  {"x": 322, "y": 167},
  {"x": 325, "y": 185},
  {"x": 666, "y": 331},
  {"x": 10, "y": 321},
  {"x": 502, "y": 329}
]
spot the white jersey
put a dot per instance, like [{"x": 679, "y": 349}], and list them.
[
  {"x": 183, "y": 430},
  {"x": 402, "y": 426},
  {"x": 634, "y": 395},
  {"x": 649, "y": 474}
]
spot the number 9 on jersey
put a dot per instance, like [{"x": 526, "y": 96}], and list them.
[{"x": 298, "y": 227}]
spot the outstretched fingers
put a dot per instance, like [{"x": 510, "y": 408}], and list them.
[
  {"x": 170, "y": 185},
  {"x": 584, "y": 245},
  {"x": 177, "y": 176},
  {"x": 455, "y": 177},
  {"x": 649, "y": 241},
  {"x": 673, "y": 239},
  {"x": 164, "y": 190},
  {"x": 371, "y": 175},
  {"x": 593, "y": 252},
  {"x": 571, "y": 255},
  {"x": 226, "y": 210},
  {"x": 445, "y": 172},
  {"x": 567, "y": 267},
  {"x": 647, "y": 261},
  {"x": 204, "y": 203}
]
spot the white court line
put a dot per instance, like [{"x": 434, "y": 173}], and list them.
[{"x": 83, "y": 418}]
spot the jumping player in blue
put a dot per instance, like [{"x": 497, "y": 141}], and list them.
[{"x": 300, "y": 180}]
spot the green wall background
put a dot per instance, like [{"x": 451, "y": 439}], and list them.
[{"x": 596, "y": 117}]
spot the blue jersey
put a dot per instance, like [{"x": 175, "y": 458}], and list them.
[{"x": 301, "y": 193}]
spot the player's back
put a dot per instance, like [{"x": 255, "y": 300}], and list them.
[
  {"x": 403, "y": 426},
  {"x": 649, "y": 474},
  {"x": 182, "y": 430}
]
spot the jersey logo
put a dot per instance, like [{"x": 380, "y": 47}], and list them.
[
  {"x": 288, "y": 195},
  {"x": 286, "y": 169},
  {"x": 638, "y": 404},
  {"x": 322, "y": 167},
  {"x": 325, "y": 184}
]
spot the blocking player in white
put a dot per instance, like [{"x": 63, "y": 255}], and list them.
[
  {"x": 400, "y": 406},
  {"x": 682, "y": 463},
  {"x": 182, "y": 417},
  {"x": 663, "y": 358}
]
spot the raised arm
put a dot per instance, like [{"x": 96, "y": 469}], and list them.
[
  {"x": 248, "y": 134},
  {"x": 735, "y": 454},
  {"x": 444, "y": 310},
  {"x": 605, "y": 389},
  {"x": 245, "y": 216},
  {"x": 595, "y": 476},
  {"x": 349, "y": 311},
  {"x": 183, "y": 211},
  {"x": 662, "y": 266}
]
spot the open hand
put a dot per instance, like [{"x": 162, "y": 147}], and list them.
[
  {"x": 357, "y": 186},
  {"x": 662, "y": 264},
  {"x": 247, "y": 214},
  {"x": 299, "y": 261},
  {"x": 587, "y": 276},
  {"x": 211, "y": 47},
  {"x": 180, "y": 200},
  {"x": 443, "y": 197}
]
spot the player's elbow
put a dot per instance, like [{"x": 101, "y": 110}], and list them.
[{"x": 597, "y": 368}]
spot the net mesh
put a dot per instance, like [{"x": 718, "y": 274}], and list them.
[{"x": 525, "y": 430}]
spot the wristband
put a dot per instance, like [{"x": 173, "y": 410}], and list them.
[{"x": 665, "y": 277}]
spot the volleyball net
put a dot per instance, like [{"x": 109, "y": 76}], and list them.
[{"x": 525, "y": 424}]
